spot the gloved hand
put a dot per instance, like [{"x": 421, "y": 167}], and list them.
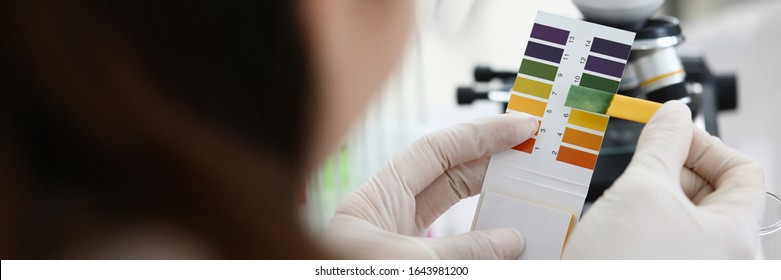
[
  {"x": 685, "y": 195},
  {"x": 388, "y": 216}
]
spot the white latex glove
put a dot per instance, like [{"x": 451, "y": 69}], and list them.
[
  {"x": 685, "y": 195},
  {"x": 389, "y": 215}
]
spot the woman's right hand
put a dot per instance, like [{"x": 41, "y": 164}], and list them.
[{"x": 685, "y": 195}]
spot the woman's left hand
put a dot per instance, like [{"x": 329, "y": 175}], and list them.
[{"x": 388, "y": 216}]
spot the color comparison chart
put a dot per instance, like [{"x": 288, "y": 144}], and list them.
[{"x": 539, "y": 186}]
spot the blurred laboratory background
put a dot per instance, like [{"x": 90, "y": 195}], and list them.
[{"x": 451, "y": 37}]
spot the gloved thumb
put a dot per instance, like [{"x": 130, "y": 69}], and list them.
[
  {"x": 664, "y": 142},
  {"x": 480, "y": 245}
]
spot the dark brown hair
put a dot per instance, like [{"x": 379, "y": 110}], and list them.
[{"x": 120, "y": 113}]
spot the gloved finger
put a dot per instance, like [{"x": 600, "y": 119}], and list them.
[
  {"x": 479, "y": 245},
  {"x": 430, "y": 156},
  {"x": 454, "y": 185},
  {"x": 737, "y": 180},
  {"x": 664, "y": 144},
  {"x": 694, "y": 186}
]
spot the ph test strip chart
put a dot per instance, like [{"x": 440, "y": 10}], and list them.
[{"x": 548, "y": 175}]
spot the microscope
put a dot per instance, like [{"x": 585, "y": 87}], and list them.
[{"x": 655, "y": 71}]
